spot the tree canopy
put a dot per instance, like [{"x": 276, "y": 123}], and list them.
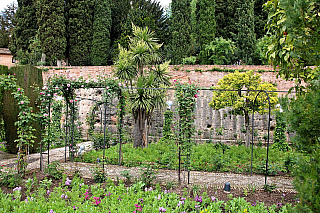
[
  {"x": 143, "y": 50},
  {"x": 293, "y": 27},
  {"x": 242, "y": 101}
]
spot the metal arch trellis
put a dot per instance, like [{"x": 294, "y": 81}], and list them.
[
  {"x": 238, "y": 91},
  {"x": 269, "y": 120},
  {"x": 211, "y": 89},
  {"x": 117, "y": 90}
]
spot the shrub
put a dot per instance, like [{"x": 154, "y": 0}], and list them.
[
  {"x": 189, "y": 60},
  {"x": 54, "y": 170}
]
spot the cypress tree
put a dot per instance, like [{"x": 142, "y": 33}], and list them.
[
  {"x": 180, "y": 28},
  {"x": 119, "y": 13},
  {"x": 225, "y": 18},
  {"x": 245, "y": 39},
  {"x": 101, "y": 33},
  {"x": 51, "y": 22},
  {"x": 260, "y": 18},
  {"x": 205, "y": 25},
  {"x": 146, "y": 13},
  {"x": 25, "y": 27},
  {"x": 79, "y": 31}
]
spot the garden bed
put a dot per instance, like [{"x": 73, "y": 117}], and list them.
[{"x": 121, "y": 196}]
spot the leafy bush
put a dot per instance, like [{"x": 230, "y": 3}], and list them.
[
  {"x": 99, "y": 174},
  {"x": 220, "y": 51},
  {"x": 189, "y": 60},
  {"x": 303, "y": 118},
  {"x": 10, "y": 177},
  {"x": 54, "y": 170}
]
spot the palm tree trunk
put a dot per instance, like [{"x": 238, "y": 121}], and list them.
[{"x": 139, "y": 133}]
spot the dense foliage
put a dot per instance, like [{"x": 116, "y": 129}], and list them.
[
  {"x": 12, "y": 108},
  {"x": 242, "y": 102},
  {"x": 100, "y": 53},
  {"x": 180, "y": 31},
  {"x": 6, "y": 24},
  {"x": 288, "y": 21},
  {"x": 88, "y": 32},
  {"x": 203, "y": 157},
  {"x": 79, "y": 31},
  {"x": 245, "y": 38},
  {"x": 143, "y": 50},
  {"x": 25, "y": 28},
  {"x": 205, "y": 25},
  {"x": 52, "y": 28},
  {"x": 303, "y": 118}
]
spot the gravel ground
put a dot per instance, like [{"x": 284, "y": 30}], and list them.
[{"x": 283, "y": 183}]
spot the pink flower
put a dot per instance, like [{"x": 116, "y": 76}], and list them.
[
  {"x": 19, "y": 89},
  {"x": 119, "y": 84},
  {"x": 174, "y": 80},
  {"x": 68, "y": 85},
  {"x": 71, "y": 101},
  {"x": 22, "y": 102},
  {"x": 196, "y": 95}
]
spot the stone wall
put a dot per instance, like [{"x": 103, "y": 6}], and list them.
[
  {"x": 6, "y": 60},
  {"x": 207, "y": 119}
]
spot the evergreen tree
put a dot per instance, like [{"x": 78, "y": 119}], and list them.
[
  {"x": 119, "y": 13},
  {"x": 51, "y": 22},
  {"x": 180, "y": 29},
  {"x": 101, "y": 33},
  {"x": 205, "y": 25},
  {"x": 25, "y": 28},
  {"x": 260, "y": 18},
  {"x": 6, "y": 24},
  {"x": 79, "y": 31},
  {"x": 245, "y": 39},
  {"x": 145, "y": 13},
  {"x": 225, "y": 18}
]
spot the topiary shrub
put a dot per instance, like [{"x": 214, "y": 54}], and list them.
[{"x": 26, "y": 76}]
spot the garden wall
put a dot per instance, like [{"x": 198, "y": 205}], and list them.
[
  {"x": 198, "y": 74},
  {"x": 207, "y": 119}
]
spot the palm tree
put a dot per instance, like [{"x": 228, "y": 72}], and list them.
[{"x": 130, "y": 67}]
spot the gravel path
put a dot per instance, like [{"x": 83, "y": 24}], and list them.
[{"x": 218, "y": 180}]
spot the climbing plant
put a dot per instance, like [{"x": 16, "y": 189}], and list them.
[
  {"x": 186, "y": 95},
  {"x": 167, "y": 132},
  {"x": 65, "y": 86},
  {"x": 25, "y": 130}
]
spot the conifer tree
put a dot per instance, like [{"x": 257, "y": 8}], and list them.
[
  {"x": 119, "y": 14},
  {"x": 6, "y": 24},
  {"x": 245, "y": 39},
  {"x": 51, "y": 22},
  {"x": 205, "y": 25},
  {"x": 100, "y": 54},
  {"x": 25, "y": 27},
  {"x": 180, "y": 30},
  {"x": 225, "y": 18},
  {"x": 79, "y": 31},
  {"x": 260, "y": 18}
]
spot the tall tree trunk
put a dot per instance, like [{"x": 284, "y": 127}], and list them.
[{"x": 139, "y": 133}]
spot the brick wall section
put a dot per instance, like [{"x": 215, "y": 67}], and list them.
[
  {"x": 6, "y": 60},
  {"x": 184, "y": 73}
]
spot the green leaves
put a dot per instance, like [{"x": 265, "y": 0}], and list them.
[{"x": 293, "y": 29}]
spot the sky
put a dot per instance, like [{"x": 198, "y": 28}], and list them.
[{"x": 4, "y": 3}]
